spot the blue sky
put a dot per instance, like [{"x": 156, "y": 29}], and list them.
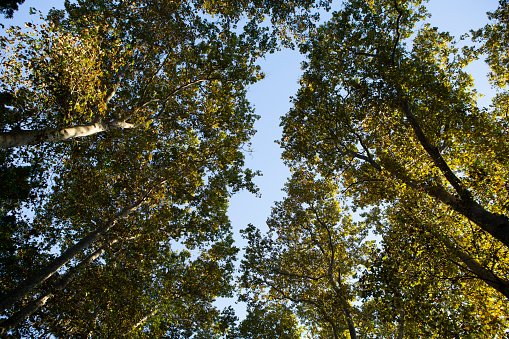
[{"x": 271, "y": 99}]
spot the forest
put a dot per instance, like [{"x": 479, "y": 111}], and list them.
[{"x": 124, "y": 130}]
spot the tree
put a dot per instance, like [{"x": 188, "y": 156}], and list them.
[
  {"x": 78, "y": 81},
  {"x": 142, "y": 292},
  {"x": 269, "y": 321},
  {"x": 495, "y": 37},
  {"x": 165, "y": 118},
  {"x": 399, "y": 123},
  {"x": 338, "y": 284},
  {"x": 7, "y": 7},
  {"x": 69, "y": 85},
  {"x": 417, "y": 285},
  {"x": 309, "y": 257},
  {"x": 105, "y": 186}
]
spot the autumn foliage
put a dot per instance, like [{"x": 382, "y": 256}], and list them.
[{"x": 123, "y": 130}]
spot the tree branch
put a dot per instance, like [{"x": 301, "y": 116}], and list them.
[
  {"x": 398, "y": 35},
  {"x": 42, "y": 300},
  {"x": 495, "y": 224}
]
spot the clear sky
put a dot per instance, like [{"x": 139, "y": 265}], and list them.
[{"x": 271, "y": 99}]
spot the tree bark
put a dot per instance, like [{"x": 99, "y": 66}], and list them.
[
  {"x": 142, "y": 320},
  {"x": 36, "y": 304},
  {"x": 476, "y": 268},
  {"x": 15, "y": 295},
  {"x": 495, "y": 224},
  {"x": 16, "y": 138},
  {"x": 351, "y": 326}
]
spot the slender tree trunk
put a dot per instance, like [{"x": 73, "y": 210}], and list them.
[
  {"x": 36, "y": 304},
  {"x": 15, "y": 295},
  {"x": 346, "y": 307},
  {"x": 17, "y": 138}
]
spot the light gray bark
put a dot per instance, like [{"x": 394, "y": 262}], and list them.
[
  {"x": 15, "y": 295},
  {"x": 16, "y": 138},
  {"x": 42, "y": 300},
  {"x": 142, "y": 320}
]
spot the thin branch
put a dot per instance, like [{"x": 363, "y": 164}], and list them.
[
  {"x": 398, "y": 35},
  {"x": 351, "y": 50},
  {"x": 368, "y": 153},
  {"x": 357, "y": 155},
  {"x": 155, "y": 74},
  {"x": 296, "y": 275},
  {"x": 116, "y": 85}
]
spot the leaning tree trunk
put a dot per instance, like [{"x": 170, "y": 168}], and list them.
[
  {"x": 476, "y": 268},
  {"x": 20, "y": 137},
  {"x": 15, "y": 295},
  {"x": 495, "y": 224},
  {"x": 42, "y": 300}
]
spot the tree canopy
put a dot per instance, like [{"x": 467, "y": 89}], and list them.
[
  {"x": 124, "y": 126},
  {"x": 141, "y": 134},
  {"x": 7, "y": 7},
  {"x": 387, "y": 111}
]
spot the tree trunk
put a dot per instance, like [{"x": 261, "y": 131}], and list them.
[
  {"x": 16, "y": 138},
  {"x": 482, "y": 273},
  {"x": 15, "y": 295},
  {"x": 36, "y": 304},
  {"x": 495, "y": 224},
  {"x": 349, "y": 320}
]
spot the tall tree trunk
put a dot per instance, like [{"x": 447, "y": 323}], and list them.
[
  {"x": 42, "y": 300},
  {"x": 17, "y": 138},
  {"x": 495, "y": 224},
  {"x": 15, "y": 295}
]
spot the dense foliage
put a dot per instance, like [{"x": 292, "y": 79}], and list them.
[
  {"x": 140, "y": 134},
  {"x": 7, "y": 7},
  {"x": 123, "y": 129},
  {"x": 388, "y": 114}
]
